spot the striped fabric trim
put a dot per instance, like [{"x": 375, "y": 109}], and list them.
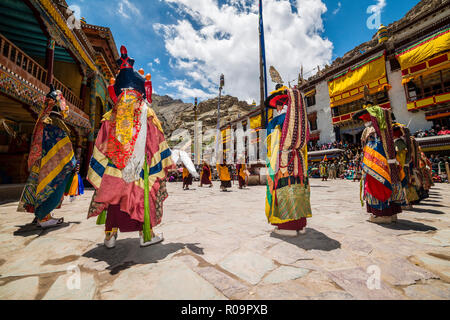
[
  {"x": 99, "y": 166},
  {"x": 58, "y": 146},
  {"x": 58, "y": 168}
]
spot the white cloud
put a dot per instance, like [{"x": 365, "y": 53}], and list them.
[
  {"x": 126, "y": 7},
  {"x": 227, "y": 42},
  {"x": 150, "y": 64},
  {"x": 157, "y": 61},
  {"x": 336, "y": 11},
  {"x": 185, "y": 91}
]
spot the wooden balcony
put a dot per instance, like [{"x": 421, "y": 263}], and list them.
[
  {"x": 68, "y": 94},
  {"x": 22, "y": 67},
  {"x": 339, "y": 120},
  {"x": 21, "y": 64}
]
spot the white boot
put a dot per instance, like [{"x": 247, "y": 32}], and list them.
[
  {"x": 286, "y": 233},
  {"x": 155, "y": 239},
  {"x": 50, "y": 223},
  {"x": 111, "y": 243},
  {"x": 380, "y": 220}
]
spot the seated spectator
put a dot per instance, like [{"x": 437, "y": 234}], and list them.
[{"x": 444, "y": 131}]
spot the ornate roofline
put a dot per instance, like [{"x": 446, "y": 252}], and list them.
[{"x": 55, "y": 14}]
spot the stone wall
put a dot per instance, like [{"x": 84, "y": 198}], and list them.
[
  {"x": 322, "y": 106},
  {"x": 398, "y": 103}
]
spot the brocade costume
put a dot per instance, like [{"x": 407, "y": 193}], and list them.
[
  {"x": 51, "y": 161},
  {"x": 131, "y": 159},
  {"x": 381, "y": 183},
  {"x": 288, "y": 190}
]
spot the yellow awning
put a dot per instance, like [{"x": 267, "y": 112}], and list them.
[
  {"x": 256, "y": 122},
  {"x": 425, "y": 49},
  {"x": 310, "y": 93},
  {"x": 349, "y": 86},
  {"x": 226, "y": 135}
]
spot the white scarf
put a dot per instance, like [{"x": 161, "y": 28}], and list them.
[{"x": 132, "y": 171}]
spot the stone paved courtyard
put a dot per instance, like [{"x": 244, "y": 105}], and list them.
[{"x": 219, "y": 246}]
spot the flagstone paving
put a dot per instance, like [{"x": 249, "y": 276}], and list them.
[{"x": 219, "y": 246}]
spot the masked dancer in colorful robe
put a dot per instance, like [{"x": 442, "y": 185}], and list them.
[
  {"x": 206, "y": 175},
  {"x": 130, "y": 161},
  {"x": 404, "y": 149},
  {"x": 51, "y": 162},
  {"x": 425, "y": 173},
  {"x": 381, "y": 185},
  {"x": 288, "y": 190}
]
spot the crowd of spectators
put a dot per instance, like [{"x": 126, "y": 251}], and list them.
[
  {"x": 440, "y": 168},
  {"x": 433, "y": 132}
]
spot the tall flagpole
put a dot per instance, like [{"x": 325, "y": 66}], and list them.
[{"x": 262, "y": 66}]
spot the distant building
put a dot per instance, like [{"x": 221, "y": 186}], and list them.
[{"x": 407, "y": 68}]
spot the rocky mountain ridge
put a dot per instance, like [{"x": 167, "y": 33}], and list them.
[{"x": 175, "y": 114}]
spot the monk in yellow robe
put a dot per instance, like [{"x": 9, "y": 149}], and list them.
[
  {"x": 224, "y": 176},
  {"x": 187, "y": 178},
  {"x": 242, "y": 174}
]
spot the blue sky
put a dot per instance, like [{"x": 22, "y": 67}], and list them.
[{"x": 186, "y": 44}]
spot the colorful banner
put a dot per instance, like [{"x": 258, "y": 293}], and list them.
[
  {"x": 349, "y": 86},
  {"x": 226, "y": 135},
  {"x": 255, "y": 122},
  {"x": 425, "y": 49}
]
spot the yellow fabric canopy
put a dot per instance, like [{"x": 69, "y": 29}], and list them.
[
  {"x": 226, "y": 135},
  {"x": 433, "y": 65},
  {"x": 350, "y": 86},
  {"x": 310, "y": 93},
  {"x": 419, "y": 52},
  {"x": 256, "y": 122}
]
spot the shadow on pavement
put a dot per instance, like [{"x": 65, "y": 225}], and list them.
[
  {"x": 425, "y": 210},
  {"x": 430, "y": 200},
  {"x": 406, "y": 225},
  {"x": 312, "y": 240},
  {"x": 128, "y": 253},
  {"x": 33, "y": 230},
  {"x": 432, "y": 205}
]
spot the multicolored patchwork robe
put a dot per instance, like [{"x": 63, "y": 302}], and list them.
[
  {"x": 288, "y": 190},
  {"x": 107, "y": 178},
  {"x": 50, "y": 173},
  {"x": 383, "y": 190}
]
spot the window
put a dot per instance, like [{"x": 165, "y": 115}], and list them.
[
  {"x": 395, "y": 65},
  {"x": 354, "y": 106},
  {"x": 313, "y": 124},
  {"x": 310, "y": 101},
  {"x": 428, "y": 86}
]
